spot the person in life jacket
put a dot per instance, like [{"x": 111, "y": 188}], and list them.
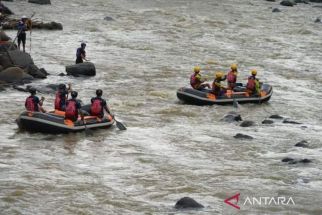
[
  {"x": 61, "y": 97},
  {"x": 196, "y": 81},
  {"x": 33, "y": 103},
  {"x": 98, "y": 105},
  {"x": 73, "y": 108},
  {"x": 217, "y": 88},
  {"x": 253, "y": 83},
  {"x": 21, "y": 34},
  {"x": 232, "y": 77},
  {"x": 81, "y": 54}
]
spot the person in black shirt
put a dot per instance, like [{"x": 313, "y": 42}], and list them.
[
  {"x": 81, "y": 54},
  {"x": 99, "y": 105},
  {"x": 33, "y": 103}
]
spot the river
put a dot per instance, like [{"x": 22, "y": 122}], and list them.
[{"x": 170, "y": 150}]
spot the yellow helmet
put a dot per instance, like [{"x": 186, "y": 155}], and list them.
[
  {"x": 219, "y": 74},
  {"x": 196, "y": 69},
  {"x": 233, "y": 66},
  {"x": 254, "y": 72}
]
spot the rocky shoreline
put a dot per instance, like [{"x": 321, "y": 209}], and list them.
[{"x": 17, "y": 67}]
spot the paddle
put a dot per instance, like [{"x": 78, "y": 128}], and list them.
[
  {"x": 87, "y": 130},
  {"x": 119, "y": 124}
]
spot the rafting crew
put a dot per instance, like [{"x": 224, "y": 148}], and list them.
[
  {"x": 253, "y": 85},
  {"x": 196, "y": 80},
  {"x": 62, "y": 96},
  {"x": 73, "y": 108},
  {"x": 217, "y": 88},
  {"x": 232, "y": 77},
  {"x": 99, "y": 105},
  {"x": 32, "y": 103}
]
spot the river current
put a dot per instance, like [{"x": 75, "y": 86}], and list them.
[{"x": 170, "y": 150}]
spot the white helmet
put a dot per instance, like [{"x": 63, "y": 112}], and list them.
[{"x": 24, "y": 17}]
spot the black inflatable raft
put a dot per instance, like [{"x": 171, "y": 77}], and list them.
[
  {"x": 55, "y": 123},
  {"x": 205, "y": 97}
]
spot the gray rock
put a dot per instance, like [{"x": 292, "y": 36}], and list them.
[
  {"x": 20, "y": 58},
  {"x": 302, "y": 144},
  {"x": 247, "y": 123},
  {"x": 305, "y": 160},
  {"x": 87, "y": 69},
  {"x": 5, "y": 10},
  {"x": 187, "y": 203},
  {"x": 108, "y": 18},
  {"x": 288, "y": 121},
  {"x": 5, "y": 61},
  {"x": 275, "y": 116},
  {"x": 316, "y": 1},
  {"x": 7, "y": 46},
  {"x": 318, "y": 20},
  {"x": 271, "y": 0},
  {"x": 267, "y": 121},
  {"x": 61, "y": 74},
  {"x": 301, "y": 1},
  {"x": 288, "y": 3},
  {"x": 243, "y": 136},
  {"x": 35, "y": 72},
  {"x": 39, "y": 1},
  {"x": 232, "y": 117},
  {"x": 287, "y": 159},
  {"x": 14, "y": 74},
  {"x": 276, "y": 10}
]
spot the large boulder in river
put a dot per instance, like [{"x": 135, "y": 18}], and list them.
[
  {"x": 20, "y": 58},
  {"x": 35, "y": 72},
  {"x": 4, "y": 47},
  {"x": 289, "y": 3},
  {"x": 5, "y": 60},
  {"x": 5, "y": 10},
  {"x": 14, "y": 74},
  {"x": 40, "y": 1},
  {"x": 188, "y": 203},
  {"x": 87, "y": 69}
]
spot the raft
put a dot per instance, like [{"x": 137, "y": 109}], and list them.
[
  {"x": 206, "y": 97},
  {"x": 54, "y": 122}
]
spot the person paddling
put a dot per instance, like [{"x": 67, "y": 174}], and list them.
[
  {"x": 217, "y": 88},
  {"x": 253, "y": 83},
  {"x": 232, "y": 77},
  {"x": 73, "y": 108},
  {"x": 196, "y": 81},
  {"x": 98, "y": 105},
  {"x": 81, "y": 54},
  {"x": 61, "y": 97},
  {"x": 33, "y": 103}
]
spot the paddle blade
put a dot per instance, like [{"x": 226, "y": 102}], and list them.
[{"x": 120, "y": 125}]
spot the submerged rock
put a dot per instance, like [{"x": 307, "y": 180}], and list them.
[
  {"x": 295, "y": 161},
  {"x": 287, "y": 121},
  {"x": 317, "y": 20},
  {"x": 288, "y": 3},
  {"x": 275, "y": 116},
  {"x": 35, "y": 72},
  {"x": 87, "y": 69},
  {"x": 247, "y": 123},
  {"x": 188, "y": 203},
  {"x": 302, "y": 1},
  {"x": 302, "y": 144},
  {"x": 39, "y": 1},
  {"x": 108, "y": 18},
  {"x": 232, "y": 117},
  {"x": 276, "y": 10},
  {"x": 243, "y": 136},
  {"x": 267, "y": 121}
]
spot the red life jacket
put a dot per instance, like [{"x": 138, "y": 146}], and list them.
[
  {"x": 194, "y": 82},
  {"x": 30, "y": 104},
  {"x": 251, "y": 84},
  {"x": 231, "y": 77},
  {"x": 71, "y": 110},
  {"x": 57, "y": 101},
  {"x": 96, "y": 107}
]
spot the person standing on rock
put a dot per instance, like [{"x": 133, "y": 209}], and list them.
[
  {"x": 81, "y": 54},
  {"x": 22, "y": 28}
]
